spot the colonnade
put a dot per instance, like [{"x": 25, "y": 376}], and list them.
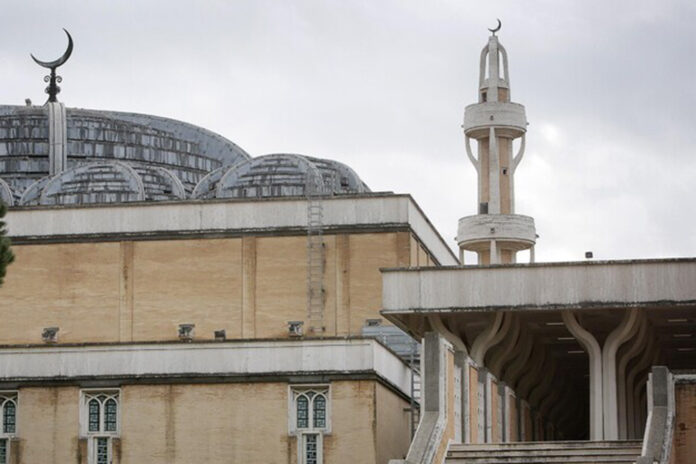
[{"x": 509, "y": 387}]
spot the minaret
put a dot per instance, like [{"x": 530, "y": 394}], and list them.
[{"x": 496, "y": 233}]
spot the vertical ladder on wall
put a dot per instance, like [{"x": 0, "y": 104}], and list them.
[
  {"x": 315, "y": 255},
  {"x": 415, "y": 406}
]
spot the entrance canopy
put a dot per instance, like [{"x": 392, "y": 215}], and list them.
[{"x": 578, "y": 332}]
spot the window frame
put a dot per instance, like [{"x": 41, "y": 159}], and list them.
[
  {"x": 8, "y": 396},
  {"x": 298, "y": 390},
  {"x": 88, "y": 394}
]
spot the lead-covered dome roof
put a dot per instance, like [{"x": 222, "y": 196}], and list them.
[
  {"x": 114, "y": 157},
  {"x": 188, "y": 152},
  {"x": 280, "y": 175}
]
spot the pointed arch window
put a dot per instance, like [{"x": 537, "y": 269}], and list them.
[
  {"x": 100, "y": 423},
  {"x": 8, "y": 424},
  {"x": 310, "y": 408},
  {"x": 310, "y": 420}
]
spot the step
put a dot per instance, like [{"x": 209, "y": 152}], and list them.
[
  {"x": 567, "y": 452},
  {"x": 502, "y": 459},
  {"x": 544, "y": 453},
  {"x": 532, "y": 445}
]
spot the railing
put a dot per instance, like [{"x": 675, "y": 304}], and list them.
[{"x": 659, "y": 428}]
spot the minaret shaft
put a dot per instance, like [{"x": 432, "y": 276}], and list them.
[{"x": 496, "y": 233}]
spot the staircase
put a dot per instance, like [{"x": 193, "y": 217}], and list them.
[{"x": 568, "y": 452}]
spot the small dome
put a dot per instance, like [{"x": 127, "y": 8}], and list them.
[
  {"x": 6, "y": 194},
  {"x": 101, "y": 182},
  {"x": 279, "y": 175}
]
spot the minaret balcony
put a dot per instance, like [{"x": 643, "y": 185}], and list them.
[
  {"x": 509, "y": 119},
  {"x": 510, "y": 231}
]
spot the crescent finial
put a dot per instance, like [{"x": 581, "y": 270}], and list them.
[
  {"x": 497, "y": 28},
  {"x": 53, "y": 89},
  {"x": 59, "y": 61}
]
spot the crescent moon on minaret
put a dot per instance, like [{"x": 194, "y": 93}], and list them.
[
  {"x": 494, "y": 30},
  {"x": 59, "y": 61}
]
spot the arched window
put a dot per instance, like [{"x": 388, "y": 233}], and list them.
[
  {"x": 9, "y": 416},
  {"x": 8, "y": 425},
  {"x": 319, "y": 416},
  {"x": 99, "y": 422},
  {"x": 302, "y": 412},
  {"x": 310, "y": 408}
]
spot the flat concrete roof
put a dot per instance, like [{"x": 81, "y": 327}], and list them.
[
  {"x": 541, "y": 286},
  {"x": 234, "y": 217},
  {"x": 226, "y": 361}
]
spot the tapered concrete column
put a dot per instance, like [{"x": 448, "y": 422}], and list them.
[
  {"x": 532, "y": 373},
  {"x": 497, "y": 326},
  {"x": 543, "y": 388},
  {"x": 506, "y": 349},
  {"x": 461, "y": 364},
  {"x": 517, "y": 365},
  {"x": 631, "y": 397},
  {"x": 589, "y": 343},
  {"x": 630, "y": 353},
  {"x": 609, "y": 396}
]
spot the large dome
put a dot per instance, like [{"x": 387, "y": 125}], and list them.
[
  {"x": 280, "y": 175},
  {"x": 184, "y": 150},
  {"x": 112, "y": 157}
]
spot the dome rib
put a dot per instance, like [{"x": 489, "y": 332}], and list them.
[{"x": 6, "y": 193}]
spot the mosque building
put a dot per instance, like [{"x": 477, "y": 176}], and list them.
[{"x": 175, "y": 299}]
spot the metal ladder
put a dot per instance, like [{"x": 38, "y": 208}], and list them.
[
  {"x": 315, "y": 256},
  {"x": 415, "y": 406}
]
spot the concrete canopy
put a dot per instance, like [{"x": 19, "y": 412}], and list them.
[{"x": 468, "y": 301}]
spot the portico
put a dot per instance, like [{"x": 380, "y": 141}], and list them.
[{"x": 554, "y": 350}]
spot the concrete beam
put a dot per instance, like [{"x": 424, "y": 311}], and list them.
[{"x": 549, "y": 286}]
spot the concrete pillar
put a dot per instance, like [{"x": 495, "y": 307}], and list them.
[
  {"x": 609, "y": 384},
  {"x": 462, "y": 363},
  {"x": 630, "y": 353},
  {"x": 517, "y": 365},
  {"x": 589, "y": 343},
  {"x": 632, "y": 404},
  {"x": 506, "y": 349}
]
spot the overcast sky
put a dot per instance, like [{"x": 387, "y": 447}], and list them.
[{"x": 381, "y": 85}]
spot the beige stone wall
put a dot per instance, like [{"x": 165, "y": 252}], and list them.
[
  {"x": 141, "y": 290},
  {"x": 216, "y": 423},
  {"x": 71, "y": 286},
  {"x": 393, "y": 424},
  {"x": 684, "y": 441},
  {"x": 47, "y": 425}
]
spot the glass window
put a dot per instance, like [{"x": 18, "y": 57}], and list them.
[
  {"x": 311, "y": 451},
  {"x": 302, "y": 412},
  {"x": 9, "y": 417},
  {"x": 102, "y": 450},
  {"x": 320, "y": 412},
  {"x": 94, "y": 415},
  {"x": 110, "y": 408}
]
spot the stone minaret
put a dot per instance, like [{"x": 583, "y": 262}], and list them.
[{"x": 496, "y": 233}]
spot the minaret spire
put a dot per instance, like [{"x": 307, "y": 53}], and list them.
[{"x": 496, "y": 233}]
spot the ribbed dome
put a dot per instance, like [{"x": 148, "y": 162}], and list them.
[
  {"x": 105, "y": 182},
  {"x": 189, "y": 152},
  {"x": 279, "y": 175}
]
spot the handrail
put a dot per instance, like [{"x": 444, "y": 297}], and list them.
[{"x": 659, "y": 427}]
